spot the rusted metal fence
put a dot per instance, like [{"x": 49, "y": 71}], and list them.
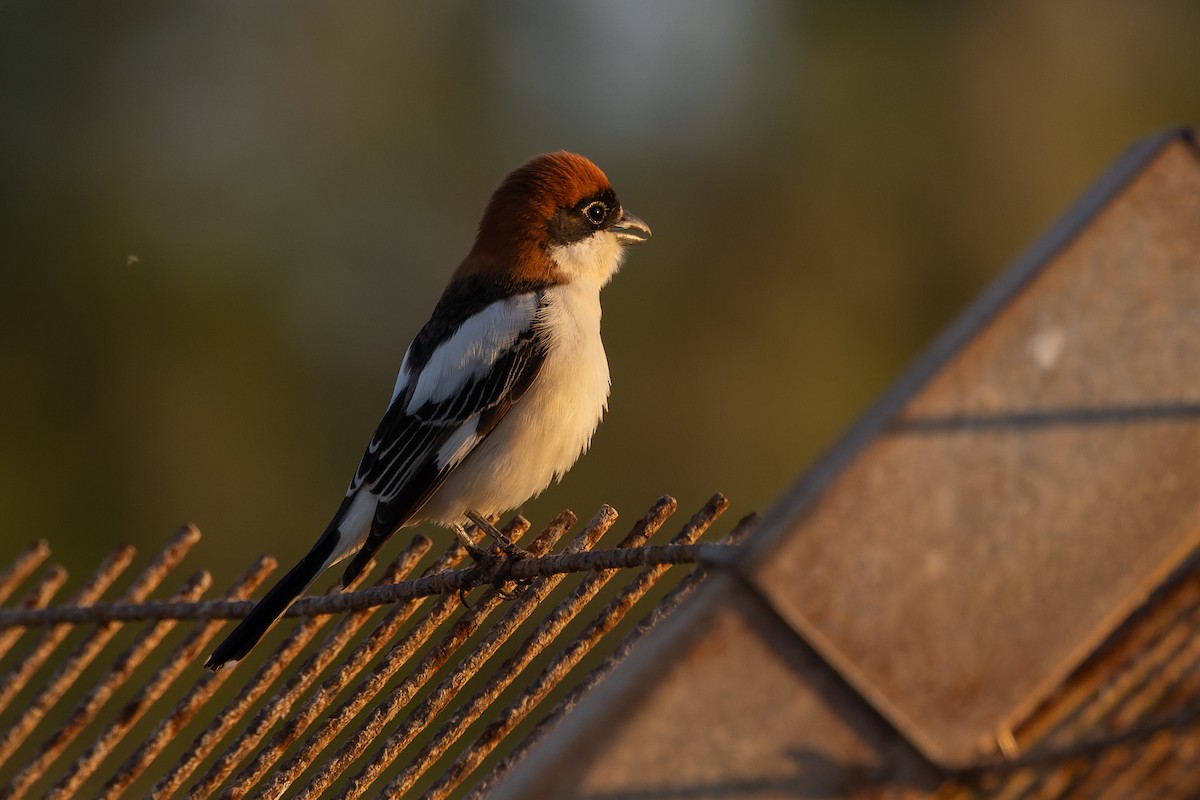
[{"x": 411, "y": 693}]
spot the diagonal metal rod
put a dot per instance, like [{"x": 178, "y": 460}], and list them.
[
  {"x": 224, "y": 721},
  {"x": 187, "y": 707},
  {"x": 277, "y": 707},
  {"x": 535, "y": 643},
  {"x": 425, "y": 662},
  {"x": 395, "y": 658},
  {"x": 453, "y": 683},
  {"x": 67, "y": 674},
  {"x": 39, "y": 597},
  {"x": 612, "y": 613},
  {"x": 421, "y": 674},
  {"x": 294, "y": 727},
  {"x": 23, "y": 673},
  {"x": 661, "y": 611},
  {"x": 22, "y": 568},
  {"x": 96, "y": 698}
]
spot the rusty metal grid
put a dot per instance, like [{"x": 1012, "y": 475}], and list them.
[
  {"x": 398, "y": 690},
  {"x": 1125, "y": 725}
]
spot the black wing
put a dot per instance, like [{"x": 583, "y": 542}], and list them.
[{"x": 402, "y": 465}]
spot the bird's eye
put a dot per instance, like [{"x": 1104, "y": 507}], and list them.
[{"x": 596, "y": 212}]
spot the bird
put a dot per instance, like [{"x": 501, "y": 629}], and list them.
[{"x": 501, "y": 390}]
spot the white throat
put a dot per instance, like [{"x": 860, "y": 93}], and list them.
[{"x": 595, "y": 259}]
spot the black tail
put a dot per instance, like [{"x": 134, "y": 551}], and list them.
[{"x": 271, "y": 607}]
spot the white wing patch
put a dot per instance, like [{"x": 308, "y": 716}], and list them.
[
  {"x": 460, "y": 443},
  {"x": 401, "y": 379},
  {"x": 473, "y": 349},
  {"x": 353, "y": 528}
]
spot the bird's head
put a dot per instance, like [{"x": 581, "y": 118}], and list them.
[{"x": 555, "y": 219}]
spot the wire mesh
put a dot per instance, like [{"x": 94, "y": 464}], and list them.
[{"x": 394, "y": 698}]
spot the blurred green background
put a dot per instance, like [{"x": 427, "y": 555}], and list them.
[{"x": 222, "y": 223}]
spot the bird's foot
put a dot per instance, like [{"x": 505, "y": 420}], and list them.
[
  {"x": 480, "y": 555},
  {"x": 498, "y": 536},
  {"x": 502, "y": 572}
]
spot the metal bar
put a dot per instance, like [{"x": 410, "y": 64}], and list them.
[
  {"x": 23, "y": 567},
  {"x": 281, "y": 708},
  {"x": 661, "y": 611},
  {"x": 87, "y": 709},
  {"x": 534, "y": 644},
  {"x": 1151, "y": 667},
  {"x": 277, "y": 707},
  {"x": 437, "y": 584},
  {"x": 558, "y": 669},
  {"x": 452, "y": 684},
  {"x": 655, "y": 555},
  {"x": 190, "y": 704},
  {"x": 298, "y": 722},
  {"x": 1091, "y": 696},
  {"x": 1121, "y": 686},
  {"x": 128, "y": 716},
  {"x": 41, "y": 594},
  {"x": 1182, "y": 774},
  {"x": 23, "y": 673},
  {"x": 86, "y": 652},
  {"x": 1106, "y": 708},
  {"x": 395, "y": 658},
  {"x": 424, "y": 670},
  {"x": 224, "y": 721},
  {"x": 1122, "y": 771},
  {"x": 1148, "y": 708}
]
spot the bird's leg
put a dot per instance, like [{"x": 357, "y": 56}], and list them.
[
  {"x": 496, "y": 535},
  {"x": 476, "y": 552},
  {"x": 486, "y": 566},
  {"x": 512, "y": 553}
]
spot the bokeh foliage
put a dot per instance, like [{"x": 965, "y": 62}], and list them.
[{"x": 222, "y": 224}]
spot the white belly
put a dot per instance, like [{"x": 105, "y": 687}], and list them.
[{"x": 547, "y": 430}]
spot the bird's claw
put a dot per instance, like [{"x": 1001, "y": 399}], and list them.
[
  {"x": 479, "y": 555},
  {"x": 503, "y": 575},
  {"x": 491, "y": 568},
  {"x": 495, "y": 534}
]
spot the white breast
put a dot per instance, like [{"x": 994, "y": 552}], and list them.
[{"x": 547, "y": 430}]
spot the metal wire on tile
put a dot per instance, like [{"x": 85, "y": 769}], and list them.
[
  {"x": 383, "y": 701},
  {"x": 1126, "y": 724}
]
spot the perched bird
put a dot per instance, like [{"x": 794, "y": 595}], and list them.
[{"x": 501, "y": 390}]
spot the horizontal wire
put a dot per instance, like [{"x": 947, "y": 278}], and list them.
[{"x": 450, "y": 582}]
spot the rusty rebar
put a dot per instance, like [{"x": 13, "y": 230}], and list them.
[
  {"x": 24, "y": 565},
  {"x": 86, "y": 652},
  {"x": 425, "y": 669},
  {"x": 1155, "y": 668},
  {"x": 469, "y": 666},
  {"x": 95, "y": 699},
  {"x": 298, "y": 722},
  {"x": 541, "y": 637},
  {"x": 23, "y": 673},
  {"x": 612, "y": 613},
  {"x": 449, "y": 582},
  {"x": 227, "y": 717},
  {"x": 187, "y": 707},
  {"x": 663, "y": 609},
  {"x": 41, "y": 594},
  {"x": 368, "y": 648},
  {"x": 396, "y": 656},
  {"x": 281, "y": 707},
  {"x": 277, "y": 707}
]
